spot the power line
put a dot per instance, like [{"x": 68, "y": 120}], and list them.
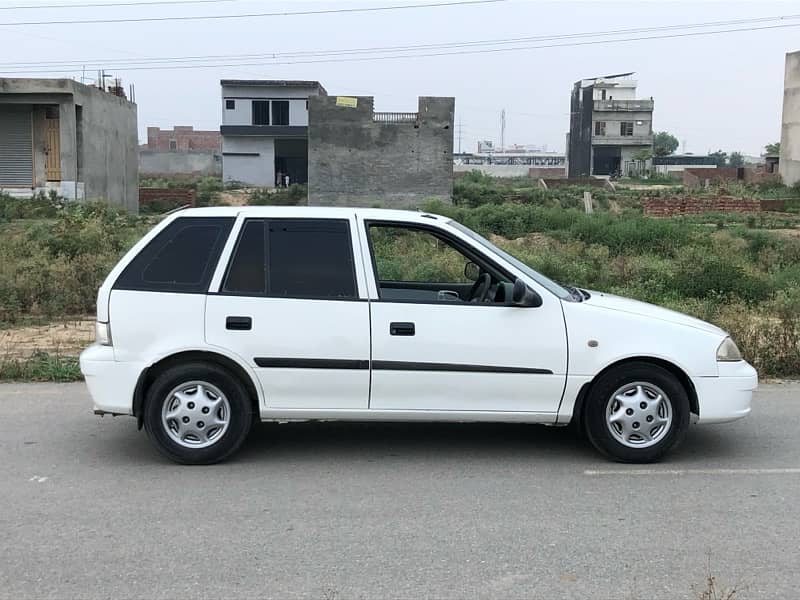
[
  {"x": 113, "y": 4},
  {"x": 256, "y": 15},
  {"x": 405, "y": 48},
  {"x": 425, "y": 55}
]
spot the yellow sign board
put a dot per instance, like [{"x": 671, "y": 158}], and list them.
[{"x": 346, "y": 101}]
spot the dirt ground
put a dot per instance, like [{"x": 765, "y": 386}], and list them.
[
  {"x": 66, "y": 338},
  {"x": 234, "y": 197}
]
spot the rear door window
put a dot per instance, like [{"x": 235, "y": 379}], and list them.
[
  {"x": 293, "y": 258},
  {"x": 181, "y": 258}
]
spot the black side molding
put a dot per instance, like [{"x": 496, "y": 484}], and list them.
[
  {"x": 393, "y": 365},
  {"x": 389, "y": 365},
  {"x": 310, "y": 363}
]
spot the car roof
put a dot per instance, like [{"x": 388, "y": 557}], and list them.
[{"x": 312, "y": 212}]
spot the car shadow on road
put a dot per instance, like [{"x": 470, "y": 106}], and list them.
[
  {"x": 491, "y": 440},
  {"x": 312, "y": 441}
]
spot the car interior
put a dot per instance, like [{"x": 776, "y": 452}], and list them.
[{"x": 418, "y": 264}]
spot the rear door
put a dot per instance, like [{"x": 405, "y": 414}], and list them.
[{"x": 292, "y": 304}]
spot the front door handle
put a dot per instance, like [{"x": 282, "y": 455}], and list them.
[
  {"x": 239, "y": 323},
  {"x": 401, "y": 329}
]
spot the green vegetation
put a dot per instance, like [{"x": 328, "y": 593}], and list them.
[
  {"x": 295, "y": 194},
  {"x": 728, "y": 268},
  {"x": 664, "y": 143},
  {"x": 773, "y": 148},
  {"x": 744, "y": 279},
  {"x": 55, "y": 256},
  {"x": 41, "y": 366}
]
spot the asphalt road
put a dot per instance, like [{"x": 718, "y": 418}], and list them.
[{"x": 336, "y": 511}]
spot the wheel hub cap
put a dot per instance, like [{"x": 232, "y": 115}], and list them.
[
  {"x": 196, "y": 414},
  {"x": 639, "y": 415}
]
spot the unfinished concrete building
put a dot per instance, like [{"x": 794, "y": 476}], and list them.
[
  {"x": 57, "y": 134},
  {"x": 359, "y": 157},
  {"x": 609, "y": 126},
  {"x": 790, "y": 128}
]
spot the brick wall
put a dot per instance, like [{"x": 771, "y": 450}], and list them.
[
  {"x": 696, "y": 177},
  {"x": 180, "y": 196},
  {"x": 185, "y": 137},
  {"x": 667, "y": 207}
]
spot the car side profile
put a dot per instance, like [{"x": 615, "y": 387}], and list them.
[{"x": 221, "y": 316}]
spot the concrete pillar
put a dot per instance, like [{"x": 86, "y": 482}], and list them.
[
  {"x": 68, "y": 142},
  {"x": 790, "y": 128}
]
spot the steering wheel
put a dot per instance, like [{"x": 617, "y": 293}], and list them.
[{"x": 480, "y": 289}]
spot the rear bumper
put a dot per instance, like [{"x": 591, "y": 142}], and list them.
[
  {"x": 111, "y": 384},
  {"x": 727, "y": 397}
]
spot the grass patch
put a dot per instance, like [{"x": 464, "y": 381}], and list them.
[{"x": 41, "y": 366}]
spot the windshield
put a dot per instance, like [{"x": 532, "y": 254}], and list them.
[{"x": 547, "y": 283}]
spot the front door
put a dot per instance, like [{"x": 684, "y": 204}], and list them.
[
  {"x": 443, "y": 342},
  {"x": 289, "y": 304}
]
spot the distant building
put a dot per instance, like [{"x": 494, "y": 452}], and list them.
[
  {"x": 182, "y": 138},
  {"x": 182, "y": 150},
  {"x": 359, "y": 157},
  {"x": 57, "y": 134},
  {"x": 608, "y": 126},
  {"x": 790, "y": 129},
  {"x": 265, "y": 130},
  {"x": 676, "y": 164}
]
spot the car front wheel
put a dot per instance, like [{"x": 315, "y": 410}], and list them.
[
  {"x": 197, "y": 413},
  {"x": 637, "y": 412}
]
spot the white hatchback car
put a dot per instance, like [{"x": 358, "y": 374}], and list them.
[{"x": 219, "y": 316}]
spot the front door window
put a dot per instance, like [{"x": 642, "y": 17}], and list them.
[{"x": 417, "y": 264}]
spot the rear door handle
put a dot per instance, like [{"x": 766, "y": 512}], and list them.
[
  {"x": 401, "y": 329},
  {"x": 239, "y": 323}
]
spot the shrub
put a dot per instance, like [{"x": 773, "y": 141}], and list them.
[{"x": 296, "y": 194}]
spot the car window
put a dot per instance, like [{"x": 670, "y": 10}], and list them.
[
  {"x": 415, "y": 255},
  {"x": 545, "y": 282},
  {"x": 247, "y": 273},
  {"x": 310, "y": 258},
  {"x": 181, "y": 258}
]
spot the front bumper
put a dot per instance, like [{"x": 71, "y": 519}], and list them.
[
  {"x": 111, "y": 383},
  {"x": 727, "y": 397}
]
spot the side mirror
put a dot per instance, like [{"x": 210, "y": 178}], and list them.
[
  {"x": 524, "y": 296},
  {"x": 472, "y": 271}
]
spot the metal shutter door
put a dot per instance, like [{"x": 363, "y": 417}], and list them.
[{"x": 16, "y": 146}]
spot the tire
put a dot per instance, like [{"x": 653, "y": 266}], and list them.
[
  {"x": 636, "y": 413},
  {"x": 197, "y": 413}
]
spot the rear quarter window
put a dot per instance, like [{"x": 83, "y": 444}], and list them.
[{"x": 181, "y": 258}]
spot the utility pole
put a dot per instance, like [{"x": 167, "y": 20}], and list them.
[
  {"x": 459, "y": 134},
  {"x": 502, "y": 130}
]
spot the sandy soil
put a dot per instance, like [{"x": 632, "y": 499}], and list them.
[{"x": 67, "y": 337}]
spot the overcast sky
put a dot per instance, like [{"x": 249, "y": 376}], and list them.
[{"x": 711, "y": 91}]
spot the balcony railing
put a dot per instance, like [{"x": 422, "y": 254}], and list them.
[
  {"x": 622, "y": 140},
  {"x": 623, "y": 105},
  {"x": 395, "y": 117}
]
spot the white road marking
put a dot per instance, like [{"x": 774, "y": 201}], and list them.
[
  {"x": 785, "y": 471},
  {"x": 38, "y": 479}
]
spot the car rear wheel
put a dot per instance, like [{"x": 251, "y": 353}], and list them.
[
  {"x": 637, "y": 412},
  {"x": 197, "y": 413}
]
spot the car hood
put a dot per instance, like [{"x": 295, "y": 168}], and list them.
[{"x": 627, "y": 305}]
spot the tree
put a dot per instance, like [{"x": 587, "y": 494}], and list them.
[
  {"x": 720, "y": 157},
  {"x": 664, "y": 143},
  {"x": 773, "y": 148},
  {"x": 642, "y": 155},
  {"x": 736, "y": 159}
]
